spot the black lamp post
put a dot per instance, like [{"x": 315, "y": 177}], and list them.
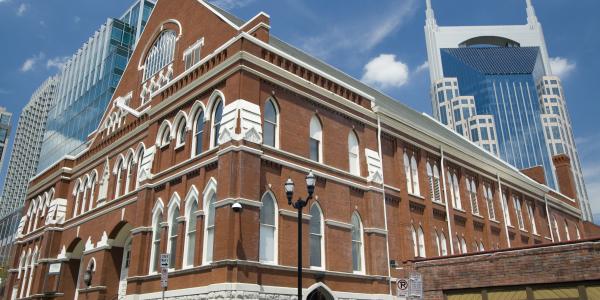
[{"x": 299, "y": 205}]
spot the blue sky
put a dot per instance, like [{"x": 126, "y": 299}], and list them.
[{"x": 382, "y": 44}]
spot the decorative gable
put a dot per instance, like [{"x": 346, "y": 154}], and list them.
[
  {"x": 245, "y": 113},
  {"x": 57, "y": 212},
  {"x": 374, "y": 166}
]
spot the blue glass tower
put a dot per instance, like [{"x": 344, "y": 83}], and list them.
[
  {"x": 87, "y": 84},
  {"x": 503, "y": 83}
]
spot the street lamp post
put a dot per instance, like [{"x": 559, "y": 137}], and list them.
[{"x": 299, "y": 205}]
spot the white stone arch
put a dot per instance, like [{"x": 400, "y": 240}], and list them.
[
  {"x": 216, "y": 96},
  {"x": 270, "y": 194},
  {"x": 157, "y": 211},
  {"x": 318, "y": 206},
  {"x": 141, "y": 148},
  {"x": 322, "y": 287},
  {"x": 159, "y": 29},
  {"x": 209, "y": 190},
  {"x": 181, "y": 115},
  {"x": 197, "y": 107},
  {"x": 193, "y": 192},
  {"x": 165, "y": 127},
  {"x": 118, "y": 166},
  {"x": 189, "y": 244},
  {"x": 92, "y": 265}
]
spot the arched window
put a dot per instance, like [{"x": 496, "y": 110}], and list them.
[
  {"x": 217, "y": 116},
  {"x": 118, "y": 171},
  {"x": 444, "y": 246},
  {"x": 268, "y": 229},
  {"x": 505, "y": 211},
  {"x": 577, "y": 232},
  {"x": 25, "y": 273},
  {"x": 433, "y": 176},
  {"x": 489, "y": 199},
  {"x": 412, "y": 173},
  {"x": 128, "y": 173},
  {"x": 555, "y": 228},
  {"x": 358, "y": 251},
  {"x": 531, "y": 215},
  {"x": 198, "y": 132},
  {"x": 418, "y": 241},
  {"x": 519, "y": 212},
  {"x": 164, "y": 139},
  {"x": 210, "y": 197},
  {"x": 454, "y": 190},
  {"x": 567, "y": 234},
  {"x": 316, "y": 139},
  {"x": 481, "y": 247},
  {"x": 181, "y": 130},
  {"x": 271, "y": 125},
  {"x": 84, "y": 188},
  {"x": 173, "y": 230},
  {"x": 317, "y": 247},
  {"x": 93, "y": 180},
  {"x": 191, "y": 204},
  {"x": 139, "y": 163},
  {"x": 472, "y": 189},
  {"x": 161, "y": 53},
  {"x": 76, "y": 196},
  {"x": 353, "y": 153},
  {"x": 156, "y": 236},
  {"x": 463, "y": 246}
]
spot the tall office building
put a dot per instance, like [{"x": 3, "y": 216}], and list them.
[
  {"x": 5, "y": 117},
  {"x": 26, "y": 146},
  {"x": 88, "y": 81},
  {"x": 494, "y": 86}
]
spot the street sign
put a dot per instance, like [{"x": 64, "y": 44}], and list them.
[
  {"x": 402, "y": 287},
  {"x": 164, "y": 269},
  {"x": 416, "y": 285},
  {"x": 54, "y": 269}
]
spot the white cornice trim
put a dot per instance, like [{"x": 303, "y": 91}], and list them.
[
  {"x": 293, "y": 214},
  {"x": 339, "y": 224}
]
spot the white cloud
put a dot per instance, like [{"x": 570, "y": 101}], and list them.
[
  {"x": 57, "y": 62},
  {"x": 423, "y": 67},
  {"x": 231, "y": 4},
  {"x": 562, "y": 67},
  {"x": 30, "y": 63},
  {"x": 359, "y": 34},
  {"x": 22, "y": 9},
  {"x": 385, "y": 71}
]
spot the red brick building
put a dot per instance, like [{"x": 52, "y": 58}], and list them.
[{"x": 213, "y": 111}]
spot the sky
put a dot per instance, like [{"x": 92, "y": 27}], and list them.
[{"x": 380, "y": 42}]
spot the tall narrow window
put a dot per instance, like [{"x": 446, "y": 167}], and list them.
[
  {"x": 418, "y": 241},
  {"x": 438, "y": 243},
  {"x": 433, "y": 178},
  {"x": 191, "y": 56},
  {"x": 472, "y": 189},
  {"x": 118, "y": 173},
  {"x": 181, "y": 130},
  {"x": 444, "y": 249},
  {"x": 164, "y": 137},
  {"x": 270, "y": 125},
  {"x": 409, "y": 185},
  {"x": 505, "y": 210},
  {"x": 155, "y": 254},
  {"x": 577, "y": 232},
  {"x": 454, "y": 190},
  {"x": 128, "y": 173},
  {"x": 489, "y": 198},
  {"x": 92, "y": 189},
  {"x": 190, "y": 230},
  {"x": 198, "y": 132},
  {"x": 567, "y": 234},
  {"x": 161, "y": 53},
  {"x": 216, "y": 121},
  {"x": 140, "y": 162},
  {"x": 316, "y": 139},
  {"x": 531, "y": 216},
  {"x": 463, "y": 246},
  {"x": 209, "y": 235},
  {"x": 353, "y": 154},
  {"x": 555, "y": 228},
  {"x": 268, "y": 230},
  {"x": 173, "y": 233},
  {"x": 415, "y": 175},
  {"x": 519, "y": 212},
  {"x": 76, "y": 194},
  {"x": 430, "y": 180},
  {"x": 316, "y": 237},
  {"x": 357, "y": 244}
]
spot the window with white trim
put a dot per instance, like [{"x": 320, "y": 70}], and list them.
[
  {"x": 519, "y": 212},
  {"x": 489, "y": 199},
  {"x": 181, "y": 130},
  {"x": 454, "y": 189},
  {"x": 577, "y": 232},
  {"x": 128, "y": 173},
  {"x": 555, "y": 228},
  {"x": 567, "y": 234},
  {"x": 161, "y": 54},
  {"x": 155, "y": 251},
  {"x": 433, "y": 177},
  {"x": 353, "y": 153},
  {"x": 173, "y": 233},
  {"x": 190, "y": 229},
  {"x": 165, "y": 136},
  {"x": 316, "y": 140},
  {"x": 317, "y": 247},
  {"x": 118, "y": 173},
  {"x": 271, "y": 124},
  {"x": 472, "y": 190},
  {"x": 358, "y": 252},
  {"x": 505, "y": 210},
  {"x": 418, "y": 241},
  {"x": 217, "y": 116},
  {"x": 443, "y": 244},
  {"x": 531, "y": 215},
  {"x": 268, "y": 230},
  {"x": 191, "y": 56},
  {"x": 198, "y": 132},
  {"x": 209, "y": 228},
  {"x": 411, "y": 169},
  {"x": 463, "y": 246}
]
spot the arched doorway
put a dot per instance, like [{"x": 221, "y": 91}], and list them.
[
  {"x": 69, "y": 282},
  {"x": 320, "y": 294},
  {"x": 121, "y": 252}
]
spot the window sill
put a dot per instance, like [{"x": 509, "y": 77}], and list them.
[
  {"x": 416, "y": 196},
  {"x": 460, "y": 210},
  {"x": 523, "y": 231},
  {"x": 162, "y": 147},
  {"x": 180, "y": 146},
  {"x": 495, "y": 221}
]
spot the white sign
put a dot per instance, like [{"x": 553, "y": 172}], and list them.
[
  {"x": 54, "y": 269},
  {"x": 164, "y": 269},
  {"x": 416, "y": 285},
  {"x": 402, "y": 287}
]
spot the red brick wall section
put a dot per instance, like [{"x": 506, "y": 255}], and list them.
[{"x": 566, "y": 182}]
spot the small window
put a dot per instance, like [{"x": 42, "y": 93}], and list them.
[
  {"x": 519, "y": 212},
  {"x": 316, "y": 139},
  {"x": 353, "y": 154},
  {"x": 270, "y": 129},
  {"x": 268, "y": 230},
  {"x": 181, "y": 130},
  {"x": 198, "y": 132},
  {"x": 317, "y": 248},
  {"x": 217, "y": 117},
  {"x": 357, "y": 244},
  {"x": 173, "y": 234}
]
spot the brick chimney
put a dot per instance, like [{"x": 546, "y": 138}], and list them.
[
  {"x": 566, "y": 181},
  {"x": 536, "y": 173}
]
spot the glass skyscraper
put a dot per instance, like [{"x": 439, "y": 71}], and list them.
[
  {"x": 494, "y": 86},
  {"x": 87, "y": 84}
]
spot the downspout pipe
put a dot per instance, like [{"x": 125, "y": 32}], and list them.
[{"x": 387, "y": 241}]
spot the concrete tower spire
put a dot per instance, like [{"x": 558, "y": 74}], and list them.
[
  {"x": 531, "y": 17},
  {"x": 430, "y": 16}
]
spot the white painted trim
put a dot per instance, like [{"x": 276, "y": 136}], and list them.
[
  {"x": 379, "y": 231},
  {"x": 243, "y": 201},
  {"x": 339, "y": 224},
  {"x": 293, "y": 214}
]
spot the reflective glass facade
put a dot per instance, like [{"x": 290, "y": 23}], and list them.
[
  {"x": 503, "y": 83},
  {"x": 88, "y": 82}
]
